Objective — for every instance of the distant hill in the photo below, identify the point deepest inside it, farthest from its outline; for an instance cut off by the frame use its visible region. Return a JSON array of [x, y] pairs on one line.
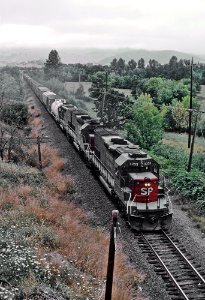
[[162, 56], [102, 56]]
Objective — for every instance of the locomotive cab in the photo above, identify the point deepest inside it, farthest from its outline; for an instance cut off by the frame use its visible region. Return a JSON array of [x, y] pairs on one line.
[[147, 205]]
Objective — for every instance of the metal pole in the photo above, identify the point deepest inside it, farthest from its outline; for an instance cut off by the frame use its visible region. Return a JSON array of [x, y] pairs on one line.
[[192, 145], [111, 256], [39, 152], [190, 105]]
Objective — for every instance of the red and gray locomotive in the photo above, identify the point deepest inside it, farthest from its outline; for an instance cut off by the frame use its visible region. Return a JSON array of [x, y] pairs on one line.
[[129, 174]]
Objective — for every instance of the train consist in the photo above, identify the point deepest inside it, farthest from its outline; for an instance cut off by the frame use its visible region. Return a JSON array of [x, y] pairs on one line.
[[128, 173]]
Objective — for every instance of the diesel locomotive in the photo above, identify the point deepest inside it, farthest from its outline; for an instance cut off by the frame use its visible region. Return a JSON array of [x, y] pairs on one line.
[[129, 174]]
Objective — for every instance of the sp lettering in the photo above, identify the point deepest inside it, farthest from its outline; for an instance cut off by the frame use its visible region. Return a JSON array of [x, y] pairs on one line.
[[146, 191]]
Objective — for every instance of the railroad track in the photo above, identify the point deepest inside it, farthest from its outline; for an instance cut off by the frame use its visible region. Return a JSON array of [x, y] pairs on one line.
[[184, 279]]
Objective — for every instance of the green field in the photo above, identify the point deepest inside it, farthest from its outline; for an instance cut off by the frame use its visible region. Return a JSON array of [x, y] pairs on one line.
[[181, 141], [73, 86]]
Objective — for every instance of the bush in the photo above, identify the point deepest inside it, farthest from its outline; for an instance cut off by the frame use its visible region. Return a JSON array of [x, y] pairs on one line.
[[174, 162], [174, 157], [15, 113], [199, 161], [191, 185]]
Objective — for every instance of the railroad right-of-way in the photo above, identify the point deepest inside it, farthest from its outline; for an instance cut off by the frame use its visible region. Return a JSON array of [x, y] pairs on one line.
[[183, 278]]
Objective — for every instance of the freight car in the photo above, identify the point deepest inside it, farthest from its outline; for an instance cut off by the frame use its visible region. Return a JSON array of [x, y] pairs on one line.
[[129, 174]]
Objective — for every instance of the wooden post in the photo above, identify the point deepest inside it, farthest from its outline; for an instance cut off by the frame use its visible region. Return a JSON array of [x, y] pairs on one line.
[[190, 105], [39, 152], [111, 256], [192, 145]]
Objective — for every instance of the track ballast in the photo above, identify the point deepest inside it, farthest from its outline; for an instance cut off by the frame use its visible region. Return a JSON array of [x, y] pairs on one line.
[[182, 278]]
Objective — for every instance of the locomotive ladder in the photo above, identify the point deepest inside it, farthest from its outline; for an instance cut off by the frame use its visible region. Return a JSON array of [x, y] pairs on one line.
[[181, 277]]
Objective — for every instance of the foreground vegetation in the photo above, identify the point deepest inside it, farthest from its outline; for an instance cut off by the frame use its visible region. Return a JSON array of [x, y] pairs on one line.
[[47, 248], [187, 187]]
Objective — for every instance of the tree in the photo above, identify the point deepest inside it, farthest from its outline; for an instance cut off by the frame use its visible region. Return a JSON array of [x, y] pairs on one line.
[[121, 66], [52, 63], [153, 68], [145, 126], [113, 65], [53, 60], [132, 64], [180, 116], [113, 108], [9, 88], [141, 63], [98, 84], [173, 62], [80, 93], [14, 113]]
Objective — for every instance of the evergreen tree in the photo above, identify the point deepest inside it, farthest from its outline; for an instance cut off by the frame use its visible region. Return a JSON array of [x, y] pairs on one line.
[[121, 66], [113, 65], [52, 64], [141, 63], [132, 64]]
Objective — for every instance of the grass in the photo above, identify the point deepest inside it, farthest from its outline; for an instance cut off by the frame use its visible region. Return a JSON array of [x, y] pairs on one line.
[[181, 140], [89, 106], [73, 86]]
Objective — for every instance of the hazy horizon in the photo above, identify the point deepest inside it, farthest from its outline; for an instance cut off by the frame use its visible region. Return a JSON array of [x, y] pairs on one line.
[[93, 48]]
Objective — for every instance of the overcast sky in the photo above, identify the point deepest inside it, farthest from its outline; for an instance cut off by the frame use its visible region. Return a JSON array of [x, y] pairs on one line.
[[145, 24]]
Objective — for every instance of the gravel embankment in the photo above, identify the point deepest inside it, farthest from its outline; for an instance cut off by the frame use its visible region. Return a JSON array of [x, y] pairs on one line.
[[91, 196]]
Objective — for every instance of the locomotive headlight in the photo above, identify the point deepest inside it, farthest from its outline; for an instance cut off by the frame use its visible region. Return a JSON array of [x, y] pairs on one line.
[[147, 184]]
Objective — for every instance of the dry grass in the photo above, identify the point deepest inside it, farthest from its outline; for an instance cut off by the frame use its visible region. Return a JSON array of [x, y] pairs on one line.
[[34, 121], [51, 157], [55, 224], [82, 243], [200, 220], [86, 247], [181, 141]]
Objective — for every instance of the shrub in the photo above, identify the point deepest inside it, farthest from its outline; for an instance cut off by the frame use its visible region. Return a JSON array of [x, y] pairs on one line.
[[174, 162], [174, 157], [15, 113]]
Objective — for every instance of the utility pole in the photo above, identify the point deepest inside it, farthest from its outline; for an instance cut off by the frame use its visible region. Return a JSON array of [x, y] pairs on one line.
[[111, 255], [190, 105], [192, 144], [104, 96]]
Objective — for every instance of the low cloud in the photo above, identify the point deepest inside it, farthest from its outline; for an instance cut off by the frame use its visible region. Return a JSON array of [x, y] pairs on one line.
[[149, 24]]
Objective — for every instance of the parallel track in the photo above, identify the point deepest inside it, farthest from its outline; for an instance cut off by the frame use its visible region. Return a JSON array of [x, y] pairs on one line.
[[182, 279]]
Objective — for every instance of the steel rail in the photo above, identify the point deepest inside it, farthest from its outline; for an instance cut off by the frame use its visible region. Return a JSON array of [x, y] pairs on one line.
[[184, 257], [166, 269]]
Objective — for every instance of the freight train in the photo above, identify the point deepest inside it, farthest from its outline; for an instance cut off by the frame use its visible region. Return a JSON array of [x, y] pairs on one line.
[[129, 174]]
